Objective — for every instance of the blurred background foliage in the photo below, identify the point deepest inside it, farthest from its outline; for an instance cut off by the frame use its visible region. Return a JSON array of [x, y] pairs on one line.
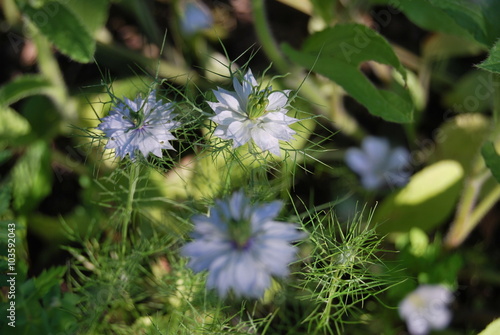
[[423, 74]]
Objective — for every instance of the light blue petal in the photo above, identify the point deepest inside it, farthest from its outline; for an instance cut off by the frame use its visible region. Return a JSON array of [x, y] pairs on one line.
[[264, 213]]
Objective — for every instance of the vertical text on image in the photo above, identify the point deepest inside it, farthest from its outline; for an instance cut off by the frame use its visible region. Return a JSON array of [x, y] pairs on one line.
[[11, 280]]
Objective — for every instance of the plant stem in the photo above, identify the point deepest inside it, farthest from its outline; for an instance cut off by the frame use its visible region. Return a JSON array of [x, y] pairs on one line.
[[50, 69], [132, 185], [496, 103], [265, 36], [485, 205], [463, 225], [468, 214]]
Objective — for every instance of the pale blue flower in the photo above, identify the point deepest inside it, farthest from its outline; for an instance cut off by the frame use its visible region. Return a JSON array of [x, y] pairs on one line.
[[195, 16], [242, 246], [426, 309], [378, 164], [252, 114], [139, 126]]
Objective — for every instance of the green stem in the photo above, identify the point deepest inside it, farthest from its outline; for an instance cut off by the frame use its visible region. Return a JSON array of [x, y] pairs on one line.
[[468, 213], [50, 69], [265, 36], [485, 205], [496, 103], [462, 225], [132, 185]]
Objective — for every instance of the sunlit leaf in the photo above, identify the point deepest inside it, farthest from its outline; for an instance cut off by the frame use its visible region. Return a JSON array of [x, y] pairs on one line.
[[460, 139], [337, 54], [492, 329], [12, 124], [425, 202], [492, 159]]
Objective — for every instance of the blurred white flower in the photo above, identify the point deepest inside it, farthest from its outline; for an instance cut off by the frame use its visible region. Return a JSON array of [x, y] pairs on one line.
[[252, 114], [426, 309], [378, 164], [139, 126], [242, 246], [195, 16]]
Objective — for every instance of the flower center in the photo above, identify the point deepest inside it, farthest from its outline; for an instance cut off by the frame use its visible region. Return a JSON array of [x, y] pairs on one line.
[[137, 118], [240, 232], [257, 104]]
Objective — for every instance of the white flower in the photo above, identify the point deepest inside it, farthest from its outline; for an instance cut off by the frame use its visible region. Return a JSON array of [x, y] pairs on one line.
[[252, 114], [242, 246], [378, 164], [140, 125], [426, 309]]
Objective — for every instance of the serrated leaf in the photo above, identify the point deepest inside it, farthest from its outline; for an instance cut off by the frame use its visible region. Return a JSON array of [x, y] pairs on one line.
[[479, 19], [12, 124], [22, 87], [466, 14], [32, 177], [91, 13], [337, 54], [492, 63], [425, 202], [63, 29], [492, 159]]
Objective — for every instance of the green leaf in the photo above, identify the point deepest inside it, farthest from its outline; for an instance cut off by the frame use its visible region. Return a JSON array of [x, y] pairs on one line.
[[425, 202], [492, 63], [337, 54], [91, 13], [475, 19], [466, 14], [492, 159], [12, 124], [492, 329], [42, 116], [63, 29], [21, 87], [422, 13], [32, 177], [479, 19]]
